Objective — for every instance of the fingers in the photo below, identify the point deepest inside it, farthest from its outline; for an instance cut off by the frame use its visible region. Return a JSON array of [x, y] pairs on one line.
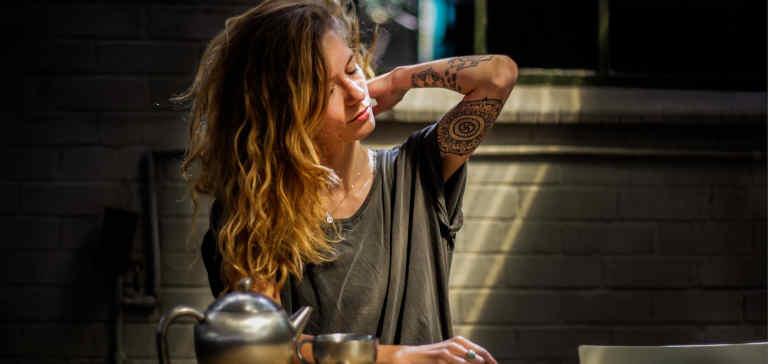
[[377, 86], [381, 106], [449, 355], [479, 350]]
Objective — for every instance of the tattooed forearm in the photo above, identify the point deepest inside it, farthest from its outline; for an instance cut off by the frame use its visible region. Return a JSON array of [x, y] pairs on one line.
[[462, 129], [431, 78], [461, 63]]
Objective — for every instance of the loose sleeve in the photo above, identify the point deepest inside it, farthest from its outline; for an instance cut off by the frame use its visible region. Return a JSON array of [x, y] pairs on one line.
[[446, 196]]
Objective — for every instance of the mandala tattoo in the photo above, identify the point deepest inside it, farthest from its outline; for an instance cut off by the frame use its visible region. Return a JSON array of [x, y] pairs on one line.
[[462, 129], [431, 78]]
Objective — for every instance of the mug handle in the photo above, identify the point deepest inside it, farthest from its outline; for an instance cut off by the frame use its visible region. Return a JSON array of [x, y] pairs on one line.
[[298, 349]]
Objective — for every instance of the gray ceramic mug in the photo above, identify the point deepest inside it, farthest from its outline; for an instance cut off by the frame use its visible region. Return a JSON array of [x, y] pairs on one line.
[[341, 349]]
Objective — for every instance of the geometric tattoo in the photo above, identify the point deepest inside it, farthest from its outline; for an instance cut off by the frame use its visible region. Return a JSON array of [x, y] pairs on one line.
[[431, 78], [462, 129]]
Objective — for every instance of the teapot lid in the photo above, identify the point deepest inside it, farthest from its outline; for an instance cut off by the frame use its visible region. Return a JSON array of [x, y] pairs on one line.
[[243, 300]]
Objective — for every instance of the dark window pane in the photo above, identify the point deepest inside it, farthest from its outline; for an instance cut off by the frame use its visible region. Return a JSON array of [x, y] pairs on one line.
[[545, 33], [712, 39]]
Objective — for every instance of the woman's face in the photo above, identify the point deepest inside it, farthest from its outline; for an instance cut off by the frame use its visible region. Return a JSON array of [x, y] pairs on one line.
[[348, 116]]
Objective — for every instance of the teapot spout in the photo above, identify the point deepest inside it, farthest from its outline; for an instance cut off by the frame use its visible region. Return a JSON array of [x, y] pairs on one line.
[[299, 320]]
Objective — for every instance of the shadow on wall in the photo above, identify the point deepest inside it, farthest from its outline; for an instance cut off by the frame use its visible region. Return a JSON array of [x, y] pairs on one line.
[[559, 252]]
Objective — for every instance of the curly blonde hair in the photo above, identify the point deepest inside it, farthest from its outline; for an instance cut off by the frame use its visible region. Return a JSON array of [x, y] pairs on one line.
[[255, 106]]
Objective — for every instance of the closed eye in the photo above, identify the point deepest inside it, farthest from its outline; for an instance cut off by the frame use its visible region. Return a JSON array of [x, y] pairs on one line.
[[354, 70]]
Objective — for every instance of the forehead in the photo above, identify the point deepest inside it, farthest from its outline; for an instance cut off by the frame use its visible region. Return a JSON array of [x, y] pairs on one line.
[[336, 51]]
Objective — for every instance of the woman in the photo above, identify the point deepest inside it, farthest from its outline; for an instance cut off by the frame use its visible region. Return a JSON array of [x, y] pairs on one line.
[[278, 108]]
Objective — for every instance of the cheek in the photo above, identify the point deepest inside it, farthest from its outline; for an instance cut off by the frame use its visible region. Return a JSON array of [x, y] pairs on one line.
[[335, 110]]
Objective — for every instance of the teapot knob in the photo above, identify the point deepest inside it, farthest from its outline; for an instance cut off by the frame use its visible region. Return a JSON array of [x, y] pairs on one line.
[[244, 285]]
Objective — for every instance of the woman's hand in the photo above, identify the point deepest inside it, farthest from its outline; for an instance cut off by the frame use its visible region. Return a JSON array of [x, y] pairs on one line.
[[455, 350], [386, 90]]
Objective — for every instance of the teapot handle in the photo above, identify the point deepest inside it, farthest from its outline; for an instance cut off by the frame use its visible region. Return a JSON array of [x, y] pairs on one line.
[[162, 329], [298, 349]]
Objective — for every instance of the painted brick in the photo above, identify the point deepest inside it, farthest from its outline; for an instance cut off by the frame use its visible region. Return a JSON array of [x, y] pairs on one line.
[[691, 173], [85, 94], [173, 202], [159, 130], [705, 238], [558, 342], [56, 129], [114, 21], [738, 203], [39, 267], [760, 237], [608, 238], [147, 57], [490, 201], [184, 270], [61, 340], [702, 307], [732, 272], [174, 233], [29, 232], [607, 307], [76, 233], [101, 94], [38, 92], [99, 163], [595, 172], [649, 272], [52, 266], [470, 270], [755, 307], [198, 298], [492, 307], [455, 305], [35, 304], [759, 175], [518, 172], [519, 236], [684, 335], [141, 342], [80, 302], [188, 22], [578, 203], [28, 164], [663, 203], [78, 199], [499, 341], [60, 56], [10, 195]]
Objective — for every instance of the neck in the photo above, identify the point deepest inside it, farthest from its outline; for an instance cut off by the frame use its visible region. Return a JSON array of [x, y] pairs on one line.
[[349, 162]]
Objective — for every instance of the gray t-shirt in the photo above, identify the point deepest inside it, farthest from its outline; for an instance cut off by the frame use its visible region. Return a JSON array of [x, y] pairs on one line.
[[390, 275]]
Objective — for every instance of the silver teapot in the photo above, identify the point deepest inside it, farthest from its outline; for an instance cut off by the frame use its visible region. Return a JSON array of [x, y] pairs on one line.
[[239, 327]]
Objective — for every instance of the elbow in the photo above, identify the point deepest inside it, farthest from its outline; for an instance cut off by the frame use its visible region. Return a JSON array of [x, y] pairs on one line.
[[506, 73]]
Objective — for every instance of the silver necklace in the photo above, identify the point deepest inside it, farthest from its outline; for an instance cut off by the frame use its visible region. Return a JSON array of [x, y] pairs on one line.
[[372, 165]]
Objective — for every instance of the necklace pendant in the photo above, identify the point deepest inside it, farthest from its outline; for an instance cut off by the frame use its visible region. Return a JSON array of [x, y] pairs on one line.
[[328, 218]]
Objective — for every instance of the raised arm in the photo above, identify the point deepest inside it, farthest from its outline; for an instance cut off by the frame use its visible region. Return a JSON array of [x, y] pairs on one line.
[[484, 80]]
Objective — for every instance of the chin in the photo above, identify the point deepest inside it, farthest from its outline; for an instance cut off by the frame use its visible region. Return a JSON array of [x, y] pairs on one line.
[[368, 127]]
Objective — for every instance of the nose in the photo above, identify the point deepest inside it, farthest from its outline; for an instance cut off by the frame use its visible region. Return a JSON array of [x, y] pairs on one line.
[[356, 90]]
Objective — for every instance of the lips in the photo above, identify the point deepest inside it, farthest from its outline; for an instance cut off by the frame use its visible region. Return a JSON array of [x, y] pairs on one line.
[[363, 114]]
